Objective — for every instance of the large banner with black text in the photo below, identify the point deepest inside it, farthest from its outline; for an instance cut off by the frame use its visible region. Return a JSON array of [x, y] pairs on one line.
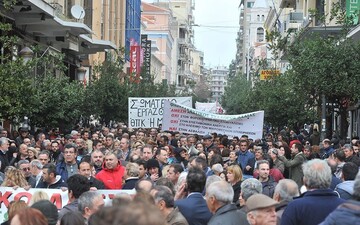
[[184, 119], [148, 112]]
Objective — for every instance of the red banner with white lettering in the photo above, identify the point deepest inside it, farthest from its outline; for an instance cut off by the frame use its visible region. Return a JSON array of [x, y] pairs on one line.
[[135, 63]]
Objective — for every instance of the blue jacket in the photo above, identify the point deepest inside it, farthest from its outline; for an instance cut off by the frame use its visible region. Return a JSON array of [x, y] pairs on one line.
[[194, 209], [345, 189], [311, 208], [243, 158], [347, 213], [62, 171]]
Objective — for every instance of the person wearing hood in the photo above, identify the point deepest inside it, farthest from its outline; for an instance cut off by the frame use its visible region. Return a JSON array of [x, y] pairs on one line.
[[112, 172], [50, 179], [346, 188]]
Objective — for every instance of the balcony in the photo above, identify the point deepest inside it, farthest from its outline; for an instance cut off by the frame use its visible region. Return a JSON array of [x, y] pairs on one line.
[[288, 4], [295, 21]]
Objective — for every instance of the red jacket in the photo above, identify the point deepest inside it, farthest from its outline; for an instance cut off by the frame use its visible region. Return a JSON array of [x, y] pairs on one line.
[[112, 179]]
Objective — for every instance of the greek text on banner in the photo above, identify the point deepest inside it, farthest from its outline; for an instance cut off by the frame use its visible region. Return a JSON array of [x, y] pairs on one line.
[[187, 120], [148, 112]]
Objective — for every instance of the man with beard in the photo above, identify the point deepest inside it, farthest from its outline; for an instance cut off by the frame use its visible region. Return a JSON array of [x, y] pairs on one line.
[[97, 159]]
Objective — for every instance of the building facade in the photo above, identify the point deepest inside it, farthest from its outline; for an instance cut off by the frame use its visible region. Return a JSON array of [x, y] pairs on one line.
[[218, 77]]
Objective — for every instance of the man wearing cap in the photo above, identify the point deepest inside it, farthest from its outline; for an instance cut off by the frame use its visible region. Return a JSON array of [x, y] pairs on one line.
[[208, 142], [219, 196], [261, 210], [24, 133], [319, 200], [327, 149]]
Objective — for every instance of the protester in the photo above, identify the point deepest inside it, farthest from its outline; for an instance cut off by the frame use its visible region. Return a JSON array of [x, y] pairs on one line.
[[219, 198], [318, 202], [261, 210]]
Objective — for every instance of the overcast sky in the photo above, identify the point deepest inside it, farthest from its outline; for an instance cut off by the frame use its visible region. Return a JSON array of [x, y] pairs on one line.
[[217, 43], [219, 22]]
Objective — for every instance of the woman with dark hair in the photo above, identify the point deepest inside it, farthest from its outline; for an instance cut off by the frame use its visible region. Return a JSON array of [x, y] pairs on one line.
[[182, 157], [72, 218], [29, 216]]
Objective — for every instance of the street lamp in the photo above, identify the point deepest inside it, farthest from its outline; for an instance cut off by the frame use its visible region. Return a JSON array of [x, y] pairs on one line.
[[27, 54], [80, 73]]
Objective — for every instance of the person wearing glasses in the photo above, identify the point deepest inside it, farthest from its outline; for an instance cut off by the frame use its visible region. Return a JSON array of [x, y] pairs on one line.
[[24, 166]]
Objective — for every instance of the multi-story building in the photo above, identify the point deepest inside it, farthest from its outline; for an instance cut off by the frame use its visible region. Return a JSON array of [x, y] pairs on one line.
[[158, 27], [197, 65], [218, 81], [251, 43], [182, 11], [54, 27]]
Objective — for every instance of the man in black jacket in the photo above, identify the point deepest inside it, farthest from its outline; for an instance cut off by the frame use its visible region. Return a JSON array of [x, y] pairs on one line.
[[85, 169]]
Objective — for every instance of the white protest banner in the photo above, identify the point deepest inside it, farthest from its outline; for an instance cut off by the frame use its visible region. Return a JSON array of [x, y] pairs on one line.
[[57, 196], [187, 120], [206, 106], [148, 112]]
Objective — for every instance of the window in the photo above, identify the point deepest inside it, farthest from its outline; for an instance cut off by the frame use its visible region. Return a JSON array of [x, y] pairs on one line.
[[260, 34], [258, 17], [262, 18], [249, 4]]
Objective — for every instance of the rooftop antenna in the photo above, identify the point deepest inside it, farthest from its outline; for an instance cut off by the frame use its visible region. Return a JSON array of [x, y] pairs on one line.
[[77, 12]]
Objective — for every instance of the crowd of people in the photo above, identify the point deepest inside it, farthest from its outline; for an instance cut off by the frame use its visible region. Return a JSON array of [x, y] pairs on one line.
[[284, 179]]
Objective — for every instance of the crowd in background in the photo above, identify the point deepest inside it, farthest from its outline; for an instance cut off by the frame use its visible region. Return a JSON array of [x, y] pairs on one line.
[[185, 178]]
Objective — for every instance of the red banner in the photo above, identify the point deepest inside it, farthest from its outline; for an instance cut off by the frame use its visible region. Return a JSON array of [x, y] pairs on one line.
[[135, 63]]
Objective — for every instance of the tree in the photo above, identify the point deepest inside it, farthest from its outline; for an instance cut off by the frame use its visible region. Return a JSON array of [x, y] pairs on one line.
[[237, 96], [57, 102], [106, 98]]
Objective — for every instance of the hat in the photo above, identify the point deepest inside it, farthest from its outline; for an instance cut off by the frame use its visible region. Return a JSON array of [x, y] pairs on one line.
[[259, 201], [326, 140], [208, 136], [221, 146], [24, 128], [275, 151], [48, 209], [152, 163]]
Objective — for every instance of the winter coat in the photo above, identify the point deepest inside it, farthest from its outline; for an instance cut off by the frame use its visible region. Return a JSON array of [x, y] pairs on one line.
[[347, 213], [345, 189], [311, 208], [295, 167], [228, 215], [112, 178]]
